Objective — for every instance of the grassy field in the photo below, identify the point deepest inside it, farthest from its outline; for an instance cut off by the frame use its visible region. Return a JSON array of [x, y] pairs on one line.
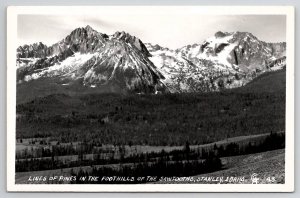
[[269, 167], [266, 165]]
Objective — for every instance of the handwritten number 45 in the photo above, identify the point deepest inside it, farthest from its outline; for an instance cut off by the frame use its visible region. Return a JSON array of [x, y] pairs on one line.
[[271, 179]]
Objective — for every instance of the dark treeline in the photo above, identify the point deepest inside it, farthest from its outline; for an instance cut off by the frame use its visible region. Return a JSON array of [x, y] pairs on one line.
[[270, 142], [160, 120], [47, 150], [158, 169], [99, 159]]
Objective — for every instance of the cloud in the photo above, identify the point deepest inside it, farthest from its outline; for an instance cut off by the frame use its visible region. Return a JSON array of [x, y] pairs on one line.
[[170, 30]]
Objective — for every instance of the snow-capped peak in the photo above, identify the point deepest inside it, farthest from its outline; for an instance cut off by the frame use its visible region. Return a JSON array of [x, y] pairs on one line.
[[123, 62], [119, 62], [225, 60]]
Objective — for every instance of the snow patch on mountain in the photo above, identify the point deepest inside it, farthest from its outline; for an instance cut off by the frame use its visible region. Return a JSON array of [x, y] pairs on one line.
[[225, 60], [64, 68], [124, 63]]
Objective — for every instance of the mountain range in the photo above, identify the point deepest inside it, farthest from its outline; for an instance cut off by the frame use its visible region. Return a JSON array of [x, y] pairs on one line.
[[123, 63]]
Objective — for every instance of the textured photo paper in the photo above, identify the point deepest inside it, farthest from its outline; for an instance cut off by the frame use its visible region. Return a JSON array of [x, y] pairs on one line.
[[150, 99]]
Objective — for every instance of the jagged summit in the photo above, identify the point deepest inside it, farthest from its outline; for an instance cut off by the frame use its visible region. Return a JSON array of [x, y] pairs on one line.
[[89, 28], [122, 62], [225, 60], [232, 48], [126, 37], [35, 50], [119, 61], [87, 31]]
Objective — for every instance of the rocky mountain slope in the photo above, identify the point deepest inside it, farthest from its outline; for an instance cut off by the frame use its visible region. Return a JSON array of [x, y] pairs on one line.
[[123, 62], [119, 61], [226, 60]]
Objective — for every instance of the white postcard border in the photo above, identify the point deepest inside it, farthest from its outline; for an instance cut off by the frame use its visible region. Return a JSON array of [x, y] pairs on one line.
[[14, 11]]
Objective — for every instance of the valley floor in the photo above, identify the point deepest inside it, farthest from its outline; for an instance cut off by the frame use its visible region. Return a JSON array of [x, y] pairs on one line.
[[268, 166]]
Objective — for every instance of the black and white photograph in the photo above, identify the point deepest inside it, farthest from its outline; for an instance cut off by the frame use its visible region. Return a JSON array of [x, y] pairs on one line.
[[150, 98]]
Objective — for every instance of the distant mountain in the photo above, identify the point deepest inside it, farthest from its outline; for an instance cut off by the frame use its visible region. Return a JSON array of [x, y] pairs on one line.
[[123, 63], [120, 61], [84, 40], [226, 60]]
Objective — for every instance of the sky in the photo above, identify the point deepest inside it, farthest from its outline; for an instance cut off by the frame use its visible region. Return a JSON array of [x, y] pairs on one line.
[[168, 30]]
